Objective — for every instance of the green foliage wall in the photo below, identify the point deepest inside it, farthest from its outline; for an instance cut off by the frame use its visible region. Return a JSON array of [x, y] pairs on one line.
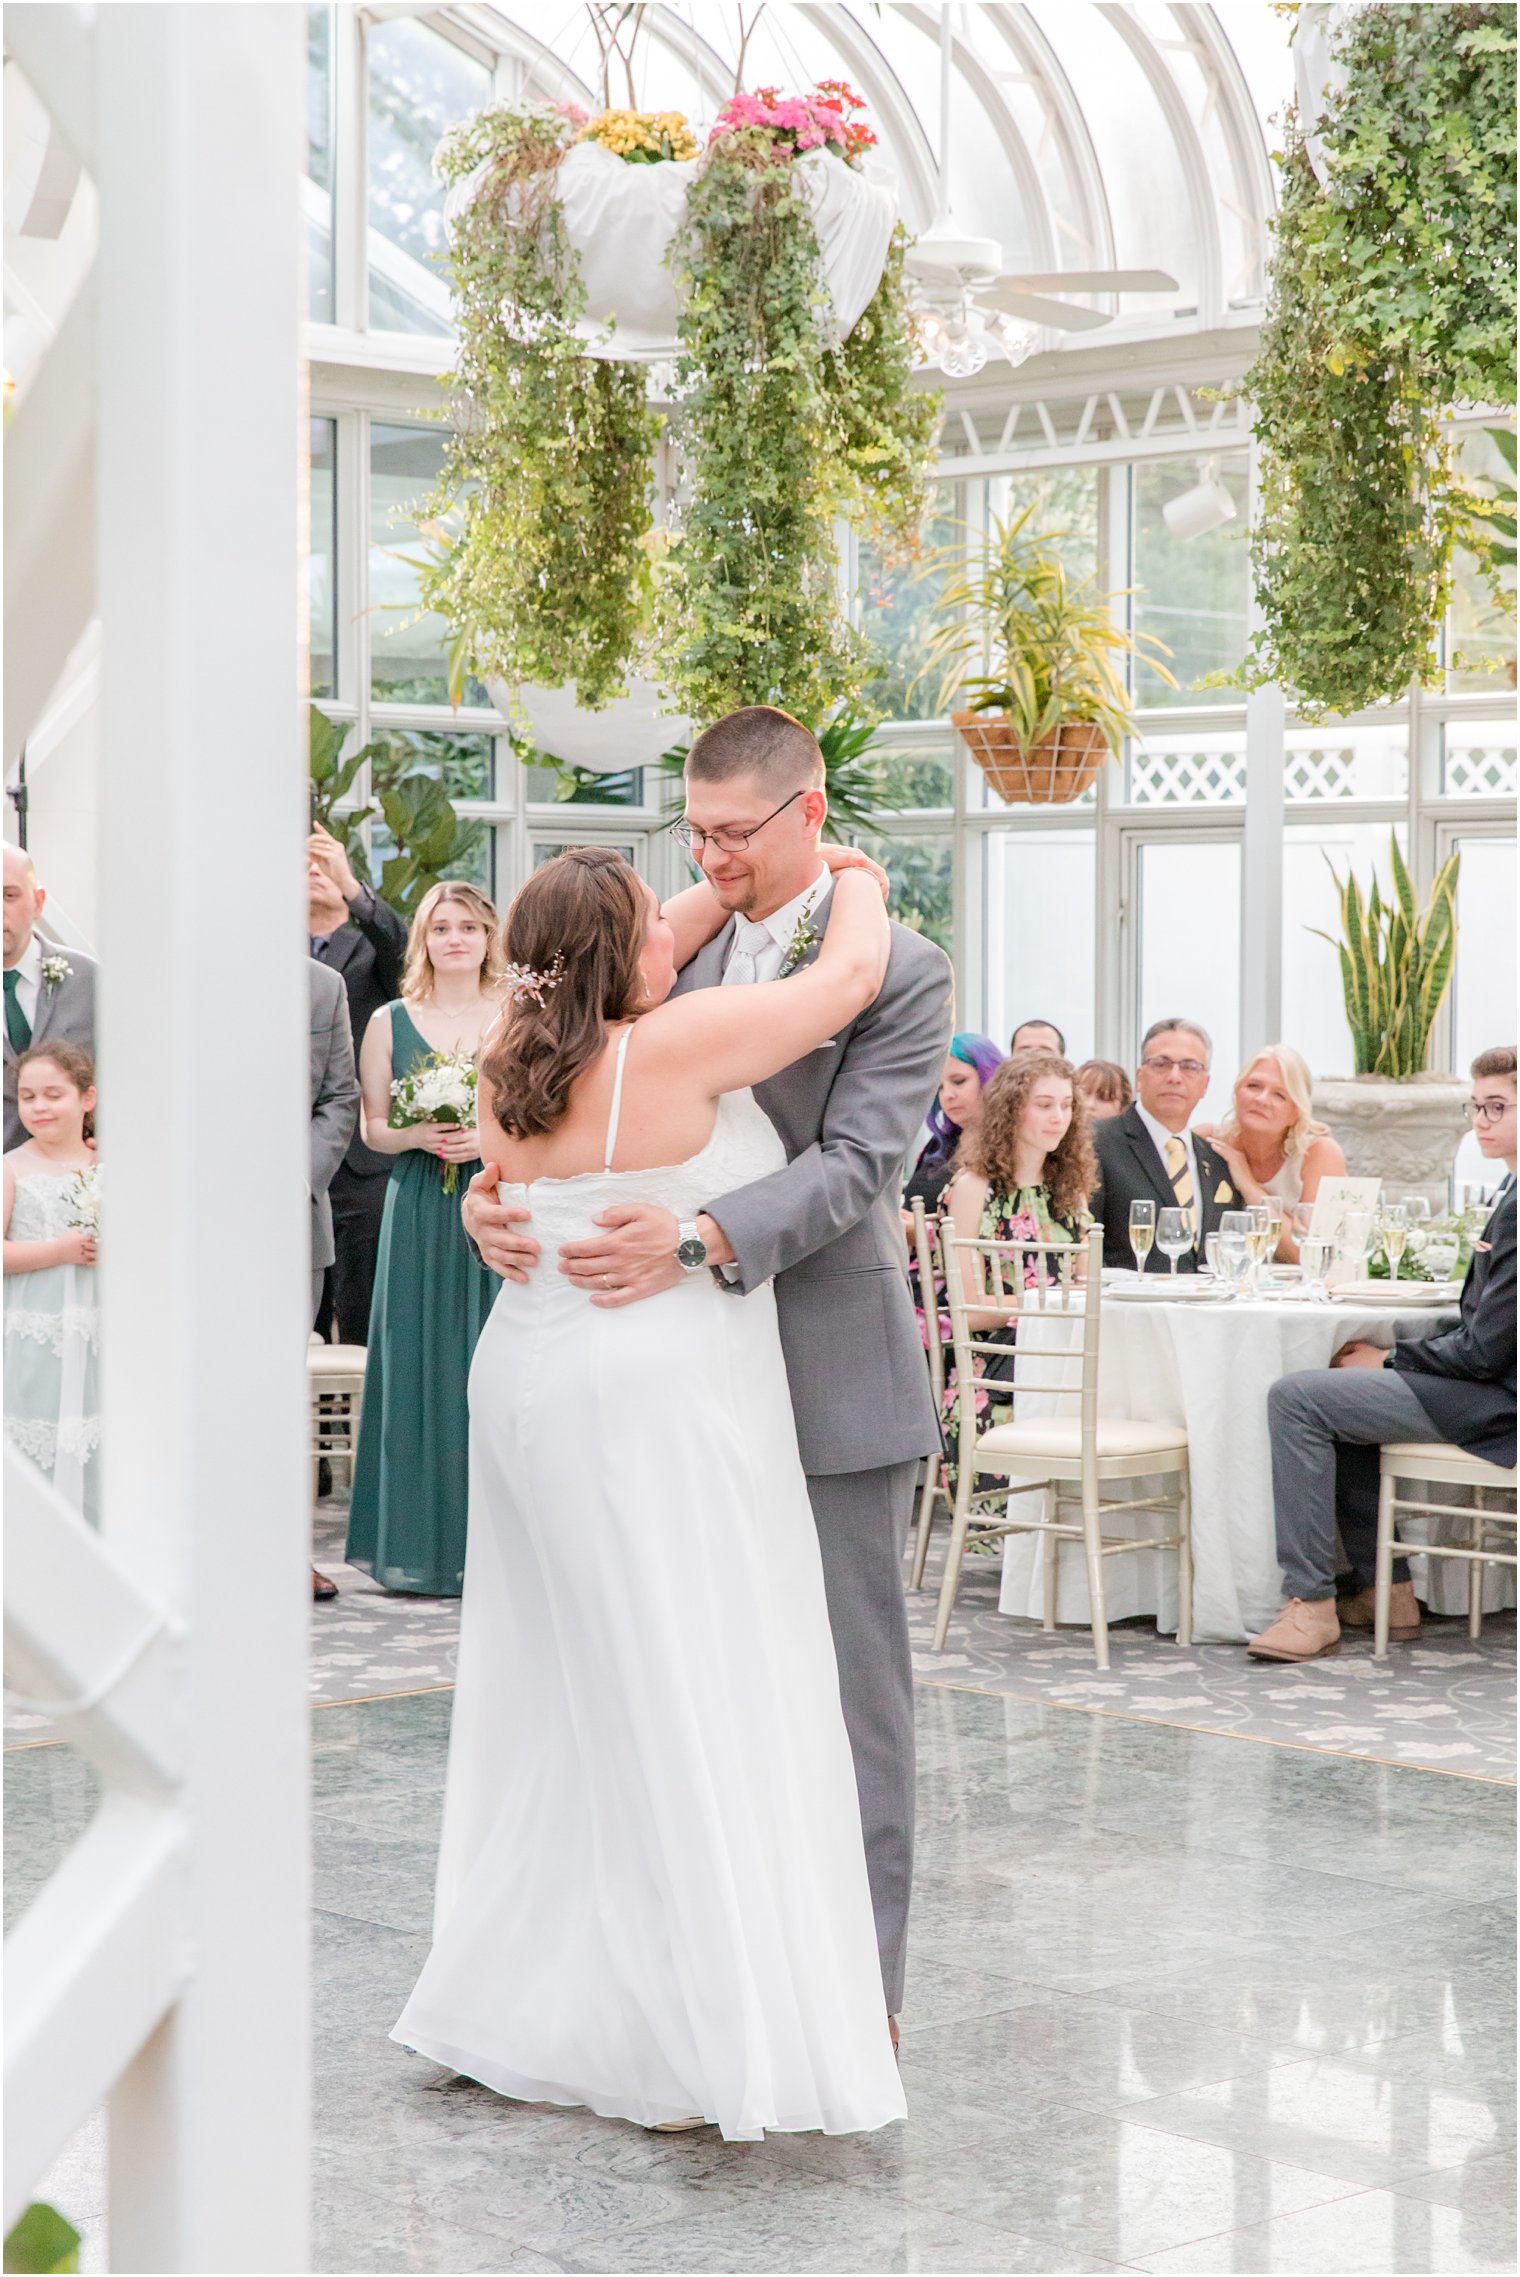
[[1392, 297]]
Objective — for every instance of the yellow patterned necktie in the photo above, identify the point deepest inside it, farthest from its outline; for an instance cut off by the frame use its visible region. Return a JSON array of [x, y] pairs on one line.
[[1182, 1180]]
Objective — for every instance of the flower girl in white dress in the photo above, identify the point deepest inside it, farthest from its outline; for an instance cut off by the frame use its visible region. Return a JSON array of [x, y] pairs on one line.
[[652, 1896], [52, 1320]]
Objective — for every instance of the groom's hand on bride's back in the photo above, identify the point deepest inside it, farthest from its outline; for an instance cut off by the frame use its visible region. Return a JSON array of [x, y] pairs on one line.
[[496, 1227]]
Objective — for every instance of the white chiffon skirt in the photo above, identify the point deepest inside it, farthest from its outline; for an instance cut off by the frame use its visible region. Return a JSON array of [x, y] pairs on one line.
[[652, 1895]]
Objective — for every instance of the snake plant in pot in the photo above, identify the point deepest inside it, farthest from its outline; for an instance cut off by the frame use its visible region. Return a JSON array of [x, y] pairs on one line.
[[1395, 1118], [1050, 704]]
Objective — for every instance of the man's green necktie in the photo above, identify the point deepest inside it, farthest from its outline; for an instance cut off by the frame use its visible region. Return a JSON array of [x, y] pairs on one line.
[[17, 1026]]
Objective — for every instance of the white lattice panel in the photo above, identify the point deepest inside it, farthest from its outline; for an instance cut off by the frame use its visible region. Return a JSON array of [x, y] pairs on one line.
[[1189, 777], [1480, 771]]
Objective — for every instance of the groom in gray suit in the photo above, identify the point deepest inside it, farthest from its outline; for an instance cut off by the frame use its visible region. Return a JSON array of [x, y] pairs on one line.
[[826, 1229]]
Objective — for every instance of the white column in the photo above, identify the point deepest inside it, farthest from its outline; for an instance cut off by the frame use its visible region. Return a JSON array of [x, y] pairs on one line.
[[204, 1084]]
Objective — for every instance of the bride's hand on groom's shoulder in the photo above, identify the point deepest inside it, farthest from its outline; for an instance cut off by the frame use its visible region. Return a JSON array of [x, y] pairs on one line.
[[495, 1227], [836, 858]]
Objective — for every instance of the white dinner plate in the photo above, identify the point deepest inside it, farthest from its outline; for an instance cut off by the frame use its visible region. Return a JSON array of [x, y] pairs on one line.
[[1188, 1288], [1418, 1293]]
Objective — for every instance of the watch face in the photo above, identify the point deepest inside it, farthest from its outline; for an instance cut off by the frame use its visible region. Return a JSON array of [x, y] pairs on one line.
[[691, 1252]]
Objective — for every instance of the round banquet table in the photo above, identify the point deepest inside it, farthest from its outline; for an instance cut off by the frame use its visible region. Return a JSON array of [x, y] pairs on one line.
[[1207, 1365]]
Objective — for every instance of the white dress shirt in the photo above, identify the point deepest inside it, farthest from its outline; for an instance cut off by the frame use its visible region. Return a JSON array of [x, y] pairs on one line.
[[761, 944], [1160, 1134], [29, 985]]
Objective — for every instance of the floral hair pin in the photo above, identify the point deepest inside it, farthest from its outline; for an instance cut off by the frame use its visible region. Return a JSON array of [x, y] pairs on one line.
[[522, 980]]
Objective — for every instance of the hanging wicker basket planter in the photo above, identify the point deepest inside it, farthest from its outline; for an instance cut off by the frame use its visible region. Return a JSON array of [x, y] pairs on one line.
[[1052, 772]]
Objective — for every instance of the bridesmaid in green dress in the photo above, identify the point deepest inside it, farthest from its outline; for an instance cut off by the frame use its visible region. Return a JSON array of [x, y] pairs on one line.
[[406, 1522]]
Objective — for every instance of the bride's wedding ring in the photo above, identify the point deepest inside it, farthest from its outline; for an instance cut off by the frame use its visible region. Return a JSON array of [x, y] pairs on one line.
[[607, 1278]]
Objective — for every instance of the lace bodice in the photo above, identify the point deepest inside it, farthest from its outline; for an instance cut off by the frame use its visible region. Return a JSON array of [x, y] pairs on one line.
[[743, 1147], [45, 1203]]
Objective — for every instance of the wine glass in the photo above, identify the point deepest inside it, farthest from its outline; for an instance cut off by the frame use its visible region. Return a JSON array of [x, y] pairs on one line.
[[1260, 1240], [1233, 1262], [1393, 1230], [1142, 1231], [1211, 1255], [1353, 1240], [1174, 1235], [1439, 1255]]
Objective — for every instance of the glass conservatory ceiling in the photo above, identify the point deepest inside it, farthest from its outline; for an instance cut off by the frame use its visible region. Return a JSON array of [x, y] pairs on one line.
[[1084, 134]]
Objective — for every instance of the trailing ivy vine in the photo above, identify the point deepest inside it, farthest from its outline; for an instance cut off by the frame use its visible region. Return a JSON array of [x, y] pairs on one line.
[[750, 602], [886, 426], [545, 500], [1392, 296]]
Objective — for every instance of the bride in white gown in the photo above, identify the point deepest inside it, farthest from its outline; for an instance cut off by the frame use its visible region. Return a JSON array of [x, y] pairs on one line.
[[652, 1895]]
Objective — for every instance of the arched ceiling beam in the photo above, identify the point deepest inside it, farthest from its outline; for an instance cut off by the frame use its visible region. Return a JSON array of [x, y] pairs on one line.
[[970, 68], [1255, 187], [893, 109], [1023, 36], [1190, 153]]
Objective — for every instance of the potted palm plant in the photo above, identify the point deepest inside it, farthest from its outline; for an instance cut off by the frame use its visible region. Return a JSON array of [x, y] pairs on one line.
[[1039, 661], [1396, 1119]]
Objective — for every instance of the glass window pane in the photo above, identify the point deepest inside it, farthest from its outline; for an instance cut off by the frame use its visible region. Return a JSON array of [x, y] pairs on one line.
[[1065, 502], [1314, 1014], [1189, 894], [576, 786], [917, 774], [1037, 927], [1191, 593], [1478, 759], [545, 849], [420, 84], [921, 869], [322, 563], [464, 764], [476, 863], [317, 191], [1480, 633], [407, 649], [895, 610]]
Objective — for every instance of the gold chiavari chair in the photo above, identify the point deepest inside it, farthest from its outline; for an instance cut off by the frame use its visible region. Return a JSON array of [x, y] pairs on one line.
[[1081, 1451]]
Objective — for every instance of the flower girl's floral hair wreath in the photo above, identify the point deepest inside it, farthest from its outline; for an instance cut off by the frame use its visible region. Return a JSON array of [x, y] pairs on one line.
[[418, 978], [574, 935]]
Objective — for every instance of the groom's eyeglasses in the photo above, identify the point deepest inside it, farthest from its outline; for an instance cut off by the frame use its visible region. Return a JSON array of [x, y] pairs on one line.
[[727, 840]]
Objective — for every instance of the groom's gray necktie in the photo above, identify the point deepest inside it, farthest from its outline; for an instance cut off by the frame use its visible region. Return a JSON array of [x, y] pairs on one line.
[[750, 943]]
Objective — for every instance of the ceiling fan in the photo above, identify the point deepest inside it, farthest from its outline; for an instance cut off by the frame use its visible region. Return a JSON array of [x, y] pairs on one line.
[[975, 306]]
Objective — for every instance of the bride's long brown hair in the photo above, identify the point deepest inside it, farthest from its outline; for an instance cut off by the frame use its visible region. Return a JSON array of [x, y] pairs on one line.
[[586, 909]]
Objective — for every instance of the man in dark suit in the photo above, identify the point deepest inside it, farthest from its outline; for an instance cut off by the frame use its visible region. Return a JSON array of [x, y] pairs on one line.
[[1149, 1154], [1456, 1388], [363, 939]]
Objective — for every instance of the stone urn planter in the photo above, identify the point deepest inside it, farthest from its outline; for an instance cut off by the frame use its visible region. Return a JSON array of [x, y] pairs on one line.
[[1404, 1132]]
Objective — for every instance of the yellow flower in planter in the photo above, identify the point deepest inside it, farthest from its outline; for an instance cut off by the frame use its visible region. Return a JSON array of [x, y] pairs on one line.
[[642, 138]]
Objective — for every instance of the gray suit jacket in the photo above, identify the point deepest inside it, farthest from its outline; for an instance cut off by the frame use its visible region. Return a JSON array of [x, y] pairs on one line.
[[334, 1098], [65, 1014], [827, 1229]]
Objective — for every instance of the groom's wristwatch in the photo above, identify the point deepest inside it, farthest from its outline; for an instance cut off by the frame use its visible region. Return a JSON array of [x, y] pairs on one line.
[[691, 1249]]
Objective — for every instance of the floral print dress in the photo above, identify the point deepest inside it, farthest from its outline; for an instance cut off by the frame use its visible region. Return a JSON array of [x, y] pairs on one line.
[[1022, 1216]]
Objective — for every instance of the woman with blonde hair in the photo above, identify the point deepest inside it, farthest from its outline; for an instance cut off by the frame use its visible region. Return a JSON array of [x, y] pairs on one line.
[[1270, 1139], [406, 1521]]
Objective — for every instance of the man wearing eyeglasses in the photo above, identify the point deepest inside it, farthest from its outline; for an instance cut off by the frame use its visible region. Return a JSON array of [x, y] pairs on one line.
[[1456, 1388], [1149, 1153]]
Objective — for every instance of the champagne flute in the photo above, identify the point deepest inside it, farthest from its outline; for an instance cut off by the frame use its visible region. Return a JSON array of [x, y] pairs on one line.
[[1174, 1235], [1439, 1255], [1258, 1238], [1142, 1231], [1395, 1235]]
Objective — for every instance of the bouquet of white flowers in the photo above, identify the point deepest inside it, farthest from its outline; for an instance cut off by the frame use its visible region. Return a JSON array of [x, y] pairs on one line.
[[84, 1201], [439, 1089]]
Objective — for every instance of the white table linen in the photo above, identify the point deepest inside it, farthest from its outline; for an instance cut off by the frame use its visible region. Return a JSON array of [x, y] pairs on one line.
[[1208, 1366]]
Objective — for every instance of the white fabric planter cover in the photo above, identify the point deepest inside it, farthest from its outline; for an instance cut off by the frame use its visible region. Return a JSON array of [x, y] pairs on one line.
[[621, 219], [631, 731]]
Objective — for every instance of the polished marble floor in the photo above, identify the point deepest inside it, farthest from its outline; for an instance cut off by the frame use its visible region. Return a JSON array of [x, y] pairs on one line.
[[1177, 2002]]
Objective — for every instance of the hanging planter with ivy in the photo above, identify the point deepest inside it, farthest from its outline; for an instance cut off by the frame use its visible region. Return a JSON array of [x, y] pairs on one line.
[[582, 249], [1392, 297]]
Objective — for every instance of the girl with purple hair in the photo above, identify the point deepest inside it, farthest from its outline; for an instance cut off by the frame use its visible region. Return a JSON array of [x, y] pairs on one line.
[[970, 1064]]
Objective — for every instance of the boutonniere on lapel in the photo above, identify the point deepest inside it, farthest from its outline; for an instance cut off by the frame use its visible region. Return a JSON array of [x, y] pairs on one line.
[[804, 937], [55, 969]]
